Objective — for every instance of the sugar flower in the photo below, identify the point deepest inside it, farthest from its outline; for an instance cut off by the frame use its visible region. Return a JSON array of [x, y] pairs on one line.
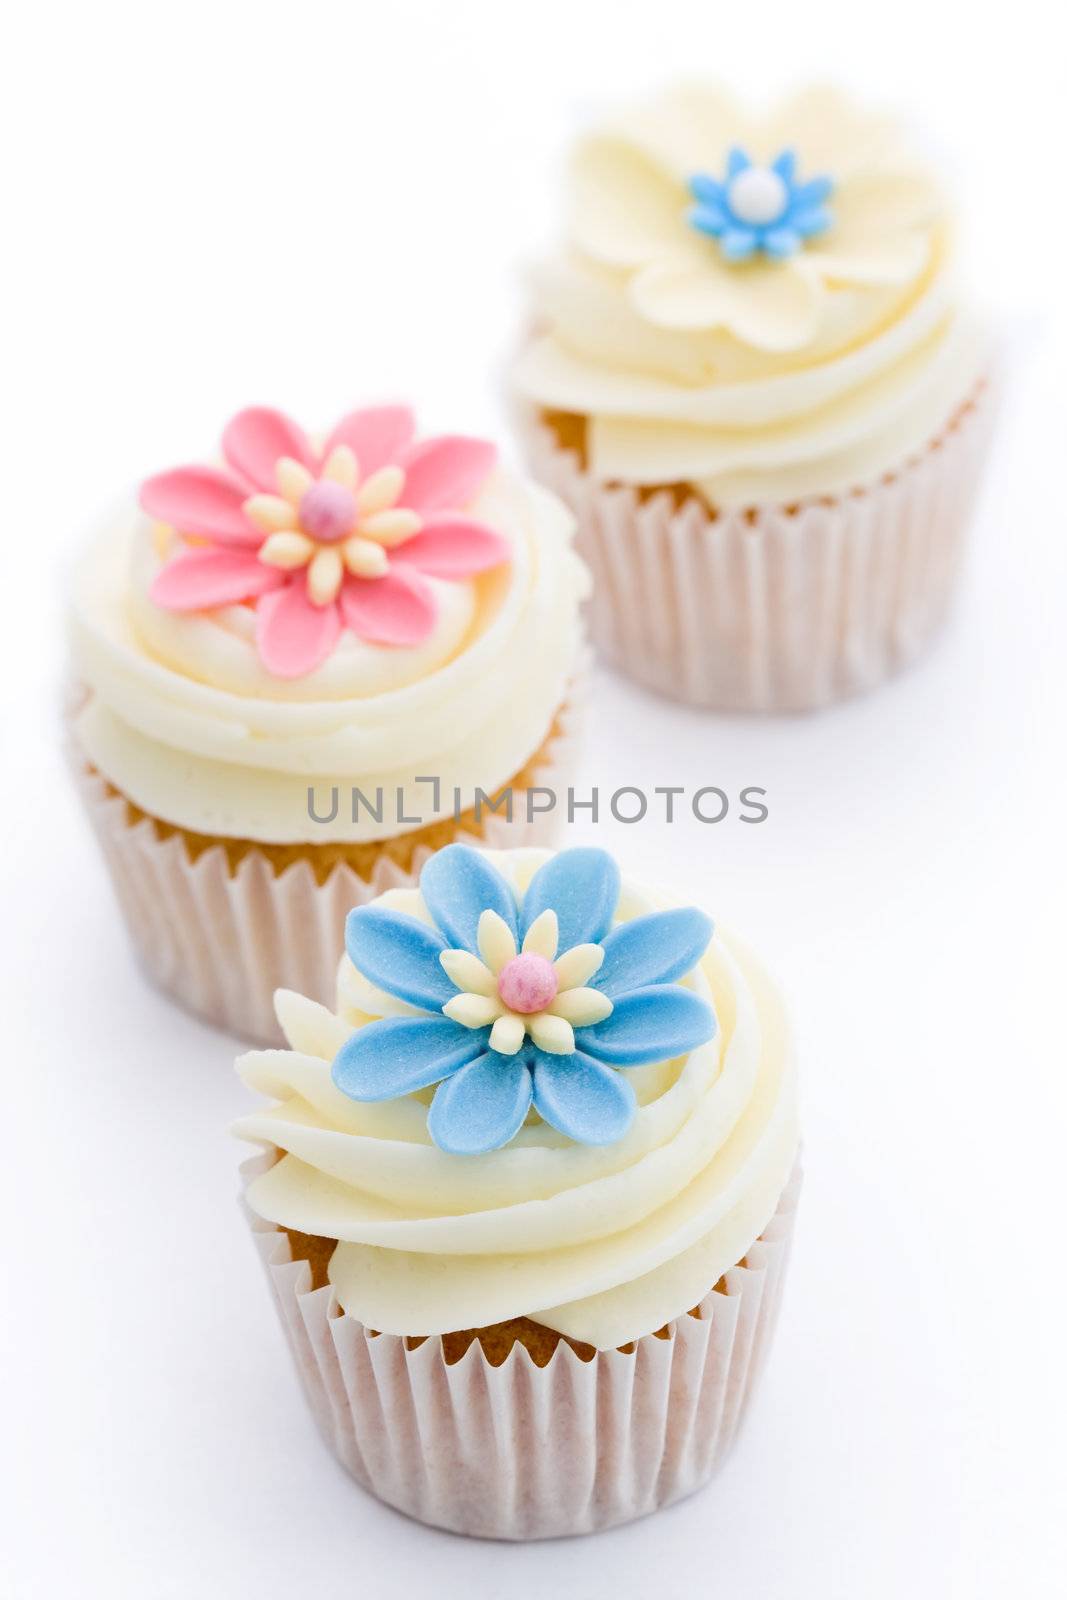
[[539, 1003], [319, 540]]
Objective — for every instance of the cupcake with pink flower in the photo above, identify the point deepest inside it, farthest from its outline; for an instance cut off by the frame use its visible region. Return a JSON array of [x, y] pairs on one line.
[[751, 373], [304, 666]]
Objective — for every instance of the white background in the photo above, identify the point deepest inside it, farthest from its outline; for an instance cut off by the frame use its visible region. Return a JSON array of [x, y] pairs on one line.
[[212, 204]]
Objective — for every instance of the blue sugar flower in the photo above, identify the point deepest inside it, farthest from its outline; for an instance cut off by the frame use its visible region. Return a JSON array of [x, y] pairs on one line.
[[759, 208], [537, 1004]]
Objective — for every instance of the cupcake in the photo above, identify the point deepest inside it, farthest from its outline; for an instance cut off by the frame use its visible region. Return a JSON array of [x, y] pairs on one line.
[[750, 376], [301, 671], [527, 1194]]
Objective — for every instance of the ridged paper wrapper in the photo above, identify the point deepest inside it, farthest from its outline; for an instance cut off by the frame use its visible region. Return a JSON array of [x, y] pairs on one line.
[[220, 941], [773, 608], [521, 1451]]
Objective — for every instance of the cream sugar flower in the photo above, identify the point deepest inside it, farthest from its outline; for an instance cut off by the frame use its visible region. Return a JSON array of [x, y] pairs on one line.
[[631, 212], [528, 991], [304, 519]]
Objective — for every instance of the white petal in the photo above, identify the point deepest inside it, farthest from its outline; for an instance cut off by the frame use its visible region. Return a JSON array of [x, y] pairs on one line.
[[473, 1010], [542, 937], [468, 973], [774, 305], [269, 512], [341, 466], [508, 1033], [551, 1033], [390, 527], [287, 550], [293, 479], [364, 558], [495, 940], [624, 210], [577, 965], [581, 1007], [381, 490], [324, 575]]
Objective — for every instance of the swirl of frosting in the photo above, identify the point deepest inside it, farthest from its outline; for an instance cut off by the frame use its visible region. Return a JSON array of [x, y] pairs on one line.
[[186, 721], [602, 1243], [756, 379]]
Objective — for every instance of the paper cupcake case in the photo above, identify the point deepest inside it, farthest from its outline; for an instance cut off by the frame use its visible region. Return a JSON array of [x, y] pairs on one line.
[[519, 1451], [220, 941], [774, 608]]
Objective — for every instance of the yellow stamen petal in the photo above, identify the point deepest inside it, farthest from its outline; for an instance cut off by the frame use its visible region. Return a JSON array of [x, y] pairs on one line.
[[269, 512], [381, 490], [467, 972], [390, 527], [287, 550], [324, 575], [293, 479], [576, 966], [551, 1033], [342, 466], [473, 1010], [508, 1033], [581, 1007], [542, 936], [364, 558], [495, 940]]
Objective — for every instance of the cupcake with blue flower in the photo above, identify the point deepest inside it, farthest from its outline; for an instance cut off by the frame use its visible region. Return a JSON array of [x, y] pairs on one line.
[[542, 1153], [752, 375]]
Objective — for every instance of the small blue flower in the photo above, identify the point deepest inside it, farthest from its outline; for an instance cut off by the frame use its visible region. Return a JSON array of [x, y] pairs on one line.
[[758, 208], [537, 1003]]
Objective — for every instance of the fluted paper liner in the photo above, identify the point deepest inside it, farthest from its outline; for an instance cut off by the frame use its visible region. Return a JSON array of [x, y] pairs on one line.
[[220, 941], [519, 1451], [772, 608]]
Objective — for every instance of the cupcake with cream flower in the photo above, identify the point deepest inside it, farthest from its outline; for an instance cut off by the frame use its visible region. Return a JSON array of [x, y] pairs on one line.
[[527, 1192], [750, 375], [303, 669]]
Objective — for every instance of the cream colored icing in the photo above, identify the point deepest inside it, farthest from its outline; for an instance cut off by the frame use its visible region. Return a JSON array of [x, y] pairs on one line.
[[763, 381], [184, 719], [604, 1244]]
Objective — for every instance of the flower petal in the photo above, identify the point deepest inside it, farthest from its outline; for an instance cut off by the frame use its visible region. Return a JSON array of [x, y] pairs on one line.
[[398, 1055], [654, 1024], [771, 305], [397, 608], [542, 937], [577, 965], [255, 440], [399, 954], [495, 941], [200, 500], [551, 1033], [458, 884], [781, 243], [203, 579], [738, 244], [581, 1007], [582, 1098], [482, 1107], [468, 973], [474, 1010], [582, 887], [658, 948], [445, 474], [293, 636], [507, 1034], [454, 547], [624, 209], [377, 436]]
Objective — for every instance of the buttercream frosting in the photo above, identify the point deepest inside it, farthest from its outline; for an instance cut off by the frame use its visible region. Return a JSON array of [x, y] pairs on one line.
[[184, 719], [756, 380], [604, 1244]]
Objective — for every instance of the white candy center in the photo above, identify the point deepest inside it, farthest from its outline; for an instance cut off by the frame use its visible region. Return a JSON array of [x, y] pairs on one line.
[[757, 196]]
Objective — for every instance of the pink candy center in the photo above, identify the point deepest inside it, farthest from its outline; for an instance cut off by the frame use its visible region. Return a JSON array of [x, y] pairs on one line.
[[327, 511], [528, 984]]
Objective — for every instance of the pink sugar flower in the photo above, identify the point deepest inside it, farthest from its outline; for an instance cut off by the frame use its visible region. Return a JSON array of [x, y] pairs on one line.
[[322, 540]]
